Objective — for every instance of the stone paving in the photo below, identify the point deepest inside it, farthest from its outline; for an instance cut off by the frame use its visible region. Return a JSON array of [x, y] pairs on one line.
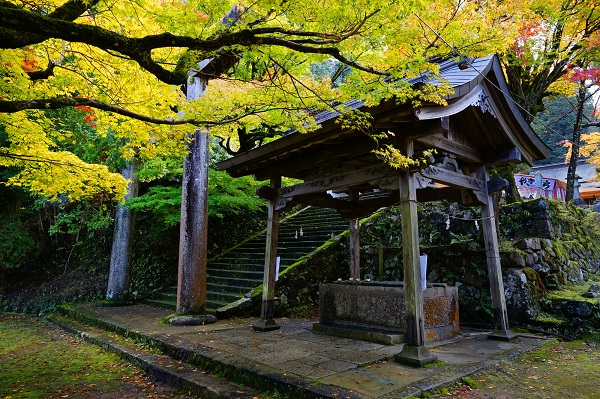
[[324, 364]]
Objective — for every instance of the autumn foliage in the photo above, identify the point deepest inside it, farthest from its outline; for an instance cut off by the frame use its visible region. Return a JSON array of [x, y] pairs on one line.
[[122, 66]]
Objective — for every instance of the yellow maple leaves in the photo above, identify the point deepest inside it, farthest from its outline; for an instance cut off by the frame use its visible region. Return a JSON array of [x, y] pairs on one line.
[[48, 172], [273, 85]]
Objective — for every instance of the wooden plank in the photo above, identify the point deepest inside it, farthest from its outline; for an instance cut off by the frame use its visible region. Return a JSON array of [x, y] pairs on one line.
[[344, 150], [357, 146], [508, 155], [337, 181], [451, 178], [461, 151], [240, 164]]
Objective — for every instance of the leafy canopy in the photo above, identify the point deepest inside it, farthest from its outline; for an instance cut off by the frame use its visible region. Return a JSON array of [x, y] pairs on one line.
[[555, 37], [121, 64]]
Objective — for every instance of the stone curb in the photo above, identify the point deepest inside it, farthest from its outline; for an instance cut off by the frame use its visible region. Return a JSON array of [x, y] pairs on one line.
[[255, 375], [162, 368]]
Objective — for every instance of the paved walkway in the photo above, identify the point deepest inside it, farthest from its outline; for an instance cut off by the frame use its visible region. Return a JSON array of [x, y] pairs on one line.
[[295, 358]]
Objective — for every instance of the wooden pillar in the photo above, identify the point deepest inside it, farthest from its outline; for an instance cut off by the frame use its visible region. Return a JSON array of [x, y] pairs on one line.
[[266, 322], [354, 241], [191, 277], [354, 249], [414, 351], [490, 236]]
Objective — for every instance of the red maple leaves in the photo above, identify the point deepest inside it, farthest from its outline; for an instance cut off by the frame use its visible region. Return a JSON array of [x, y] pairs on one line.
[[89, 117]]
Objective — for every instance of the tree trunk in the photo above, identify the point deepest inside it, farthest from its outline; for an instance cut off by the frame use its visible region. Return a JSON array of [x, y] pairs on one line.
[[575, 143], [120, 257]]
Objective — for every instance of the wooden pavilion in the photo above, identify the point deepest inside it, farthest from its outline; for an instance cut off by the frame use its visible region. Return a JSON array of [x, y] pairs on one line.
[[480, 127]]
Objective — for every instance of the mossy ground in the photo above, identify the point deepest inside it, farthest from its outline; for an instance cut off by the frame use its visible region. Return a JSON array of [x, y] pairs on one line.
[[39, 361], [574, 292], [556, 370]]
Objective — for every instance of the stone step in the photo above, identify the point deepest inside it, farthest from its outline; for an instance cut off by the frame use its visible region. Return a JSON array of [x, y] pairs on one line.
[[257, 266], [243, 274], [236, 272], [232, 288], [314, 224], [235, 267], [222, 297], [253, 263], [291, 242], [308, 232], [246, 283]]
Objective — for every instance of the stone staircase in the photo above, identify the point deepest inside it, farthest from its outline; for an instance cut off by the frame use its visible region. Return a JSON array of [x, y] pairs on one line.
[[238, 270]]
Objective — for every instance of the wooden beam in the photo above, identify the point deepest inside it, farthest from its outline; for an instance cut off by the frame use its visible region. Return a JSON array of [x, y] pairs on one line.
[[266, 322], [348, 149], [451, 178], [414, 352], [451, 194], [461, 151], [490, 237], [410, 256], [266, 193], [354, 240], [452, 108], [248, 161], [339, 152], [483, 128], [414, 129], [504, 156], [337, 181]]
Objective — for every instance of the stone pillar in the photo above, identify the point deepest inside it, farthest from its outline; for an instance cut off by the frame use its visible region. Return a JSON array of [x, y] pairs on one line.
[[490, 236], [120, 256], [414, 352], [267, 323], [191, 278]]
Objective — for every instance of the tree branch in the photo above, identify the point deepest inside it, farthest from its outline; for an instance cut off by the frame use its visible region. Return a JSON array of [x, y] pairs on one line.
[[139, 49], [43, 74], [63, 102], [18, 37], [590, 124]]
